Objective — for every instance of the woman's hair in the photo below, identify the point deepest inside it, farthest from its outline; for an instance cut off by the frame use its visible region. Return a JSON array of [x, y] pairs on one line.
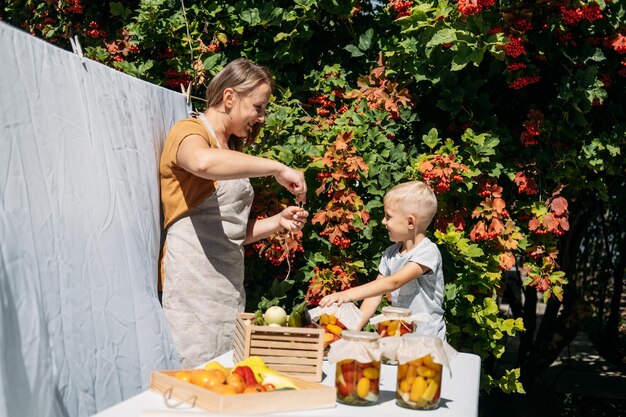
[[243, 76], [414, 197]]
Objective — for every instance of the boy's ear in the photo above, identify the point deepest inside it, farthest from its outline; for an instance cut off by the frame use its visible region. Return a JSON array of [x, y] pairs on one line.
[[412, 221]]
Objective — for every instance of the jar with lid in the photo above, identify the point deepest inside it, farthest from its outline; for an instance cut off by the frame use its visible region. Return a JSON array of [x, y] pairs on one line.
[[393, 322], [420, 364], [396, 322], [357, 374]]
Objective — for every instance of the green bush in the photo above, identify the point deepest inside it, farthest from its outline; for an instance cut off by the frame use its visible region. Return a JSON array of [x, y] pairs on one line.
[[511, 110]]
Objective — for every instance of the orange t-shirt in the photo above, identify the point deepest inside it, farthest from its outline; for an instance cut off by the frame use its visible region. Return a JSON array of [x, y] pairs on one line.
[[181, 190]]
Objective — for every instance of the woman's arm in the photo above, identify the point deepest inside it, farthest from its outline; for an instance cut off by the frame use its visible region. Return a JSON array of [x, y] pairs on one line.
[[292, 218], [197, 157]]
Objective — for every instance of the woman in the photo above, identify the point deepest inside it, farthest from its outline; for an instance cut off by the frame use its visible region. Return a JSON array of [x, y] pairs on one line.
[[206, 198]]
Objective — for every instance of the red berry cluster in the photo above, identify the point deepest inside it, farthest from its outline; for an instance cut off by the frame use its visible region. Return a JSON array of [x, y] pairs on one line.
[[522, 25], [481, 233], [94, 32], [532, 126], [401, 8], [321, 176], [524, 81], [213, 47], [515, 47], [525, 184], [590, 13], [440, 171], [324, 103], [341, 242], [487, 189], [515, 66], [175, 79], [471, 7], [74, 6]]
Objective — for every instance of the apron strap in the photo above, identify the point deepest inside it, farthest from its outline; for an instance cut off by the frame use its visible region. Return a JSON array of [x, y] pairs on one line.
[[208, 126]]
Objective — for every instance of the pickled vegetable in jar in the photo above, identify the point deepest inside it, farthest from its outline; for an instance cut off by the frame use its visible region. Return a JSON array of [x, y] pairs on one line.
[[357, 374], [357, 382], [420, 371], [396, 323], [419, 384]]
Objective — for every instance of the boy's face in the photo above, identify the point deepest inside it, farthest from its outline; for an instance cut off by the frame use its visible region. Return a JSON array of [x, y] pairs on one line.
[[398, 223]]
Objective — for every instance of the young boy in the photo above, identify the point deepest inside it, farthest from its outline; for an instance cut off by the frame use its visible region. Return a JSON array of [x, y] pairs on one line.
[[410, 268]]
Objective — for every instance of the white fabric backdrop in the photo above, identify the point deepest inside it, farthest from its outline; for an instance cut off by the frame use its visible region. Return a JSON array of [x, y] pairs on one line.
[[80, 323]]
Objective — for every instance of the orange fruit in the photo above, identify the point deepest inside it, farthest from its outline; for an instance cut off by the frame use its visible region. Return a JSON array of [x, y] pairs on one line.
[[183, 375], [219, 374], [235, 381], [253, 389], [200, 377]]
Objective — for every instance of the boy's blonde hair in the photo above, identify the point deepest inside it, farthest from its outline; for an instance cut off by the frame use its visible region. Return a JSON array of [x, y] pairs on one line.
[[416, 198]]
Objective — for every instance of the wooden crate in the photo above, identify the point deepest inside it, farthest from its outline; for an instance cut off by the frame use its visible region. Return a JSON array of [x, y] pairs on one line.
[[293, 351], [309, 395]]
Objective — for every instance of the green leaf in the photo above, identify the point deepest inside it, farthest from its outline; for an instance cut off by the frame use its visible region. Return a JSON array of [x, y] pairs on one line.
[[442, 36], [365, 40], [281, 35], [431, 139], [117, 9], [354, 51], [211, 61], [251, 16]]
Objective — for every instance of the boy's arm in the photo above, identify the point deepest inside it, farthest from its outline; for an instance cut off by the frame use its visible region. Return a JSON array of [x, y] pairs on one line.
[[368, 308], [377, 287]]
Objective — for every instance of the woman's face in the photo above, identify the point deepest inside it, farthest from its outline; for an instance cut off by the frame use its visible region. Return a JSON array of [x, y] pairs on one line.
[[248, 110]]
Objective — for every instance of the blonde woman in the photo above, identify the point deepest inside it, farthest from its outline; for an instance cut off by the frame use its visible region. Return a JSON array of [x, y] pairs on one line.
[[206, 198]]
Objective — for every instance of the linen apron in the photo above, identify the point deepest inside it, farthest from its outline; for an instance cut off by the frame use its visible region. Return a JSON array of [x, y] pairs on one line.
[[204, 271]]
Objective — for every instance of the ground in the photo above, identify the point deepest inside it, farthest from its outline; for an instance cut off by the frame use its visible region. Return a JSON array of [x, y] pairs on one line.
[[579, 384]]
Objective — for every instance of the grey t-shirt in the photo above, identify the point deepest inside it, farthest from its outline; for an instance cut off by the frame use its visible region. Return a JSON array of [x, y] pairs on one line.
[[423, 294]]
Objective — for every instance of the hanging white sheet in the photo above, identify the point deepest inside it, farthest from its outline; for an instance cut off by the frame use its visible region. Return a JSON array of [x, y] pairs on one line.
[[80, 323]]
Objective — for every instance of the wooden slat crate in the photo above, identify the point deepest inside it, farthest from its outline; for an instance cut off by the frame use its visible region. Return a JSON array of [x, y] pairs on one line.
[[293, 351], [309, 395]]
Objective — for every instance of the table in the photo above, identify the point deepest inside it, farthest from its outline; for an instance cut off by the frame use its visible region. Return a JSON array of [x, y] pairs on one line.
[[459, 396]]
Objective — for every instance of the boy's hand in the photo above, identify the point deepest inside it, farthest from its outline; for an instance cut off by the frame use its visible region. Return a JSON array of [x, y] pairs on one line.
[[338, 298]]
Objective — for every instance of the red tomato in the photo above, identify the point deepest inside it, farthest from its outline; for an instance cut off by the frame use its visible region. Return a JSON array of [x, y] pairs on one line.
[[374, 386], [348, 376], [348, 366], [345, 389]]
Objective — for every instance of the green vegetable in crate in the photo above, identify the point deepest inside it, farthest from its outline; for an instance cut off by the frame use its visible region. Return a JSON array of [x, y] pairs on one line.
[[299, 316]]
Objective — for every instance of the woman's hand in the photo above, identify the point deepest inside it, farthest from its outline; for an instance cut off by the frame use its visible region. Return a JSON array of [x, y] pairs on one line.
[[293, 181], [293, 218]]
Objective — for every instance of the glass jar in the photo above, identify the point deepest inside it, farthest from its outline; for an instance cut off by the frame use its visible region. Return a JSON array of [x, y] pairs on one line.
[[419, 383], [357, 382], [396, 325]]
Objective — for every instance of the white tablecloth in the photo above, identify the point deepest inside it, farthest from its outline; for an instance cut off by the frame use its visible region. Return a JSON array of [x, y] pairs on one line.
[[459, 396]]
